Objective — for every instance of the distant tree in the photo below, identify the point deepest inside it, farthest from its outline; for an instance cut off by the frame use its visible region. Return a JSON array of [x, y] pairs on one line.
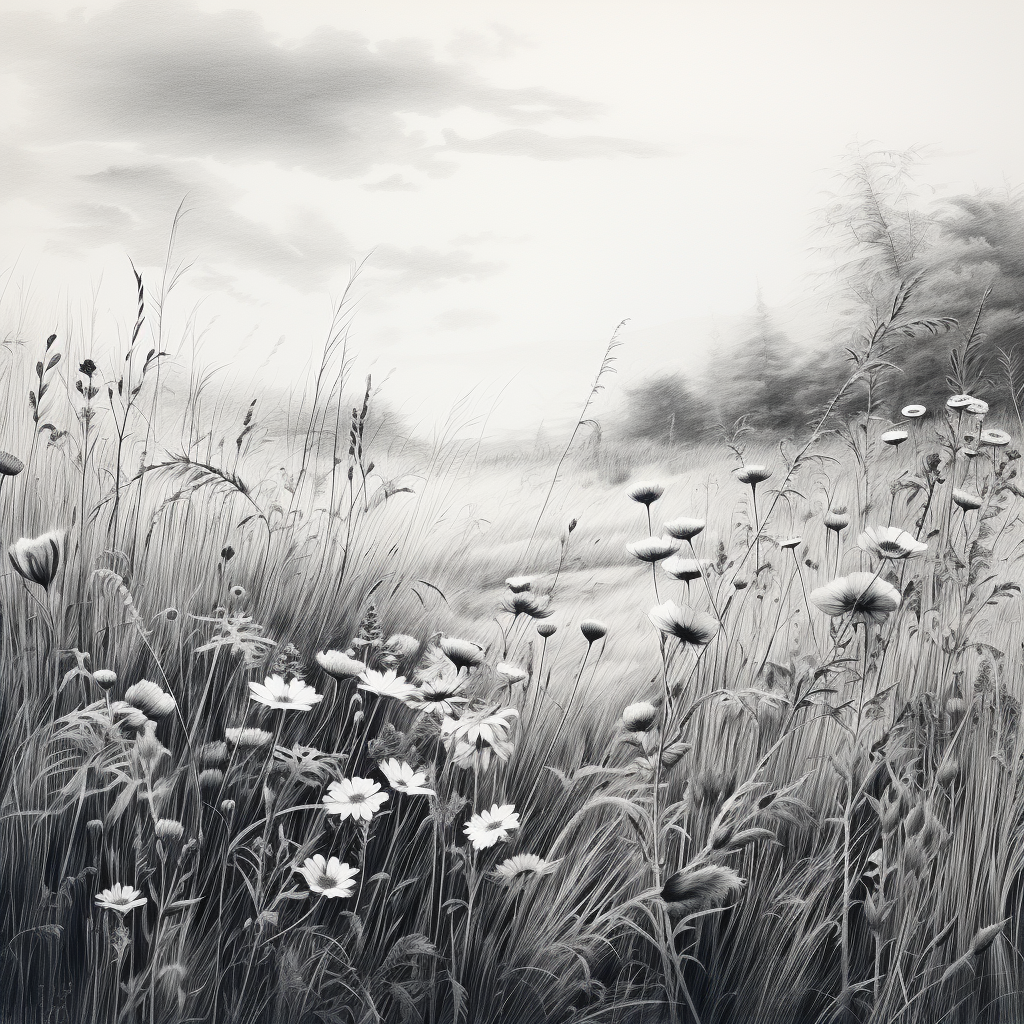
[[664, 408]]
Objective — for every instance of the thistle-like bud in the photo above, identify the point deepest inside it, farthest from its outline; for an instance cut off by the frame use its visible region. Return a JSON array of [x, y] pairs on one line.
[[639, 717], [104, 678], [593, 630], [37, 559], [546, 629], [169, 830]]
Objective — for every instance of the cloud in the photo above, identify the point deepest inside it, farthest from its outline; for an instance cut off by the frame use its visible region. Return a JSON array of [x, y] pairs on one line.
[[394, 183], [463, 319], [421, 267], [542, 146]]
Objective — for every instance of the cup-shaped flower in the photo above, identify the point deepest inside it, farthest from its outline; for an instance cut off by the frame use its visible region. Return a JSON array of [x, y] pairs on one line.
[[837, 519], [546, 629], [120, 898], [37, 559], [385, 684], [913, 412], [517, 584], [890, 542], [646, 493], [290, 695], [684, 528], [150, 698], [10, 465], [593, 630], [487, 827], [462, 653], [354, 798], [339, 665], [438, 696], [525, 602], [753, 474], [791, 543], [653, 549], [686, 569], [894, 438], [329, 878], [403, 778], [977, 408], [523, 868], [994, 438], [967, 501], [959, 402], [640, 717], [861, 594], [684, 623]]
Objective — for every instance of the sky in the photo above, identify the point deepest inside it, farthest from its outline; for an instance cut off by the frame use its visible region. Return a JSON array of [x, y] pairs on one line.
[[514, 178]]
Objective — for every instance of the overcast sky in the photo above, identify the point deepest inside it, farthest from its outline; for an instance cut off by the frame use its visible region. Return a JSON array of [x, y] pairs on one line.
[[523, 175]]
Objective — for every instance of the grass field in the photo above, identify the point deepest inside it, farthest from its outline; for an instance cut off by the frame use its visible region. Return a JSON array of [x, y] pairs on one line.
[[812, 811]]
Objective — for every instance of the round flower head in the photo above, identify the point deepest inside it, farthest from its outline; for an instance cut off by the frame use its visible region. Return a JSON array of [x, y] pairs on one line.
[[354, 798], [403, 778], [477, 756], [329, 878], [791, 543], [462, 653], [249, 738], [837, 519], [37, 559], [894, 438], [149, 698], [438, 696], [684, 528], [646, 493], [237, 592], [967, 501], [686, 569], [546, 629], [525, 602], [402, 645], [294, 695], [959, 402], [890, 542], [385, 684], [169, 830], [639, 717], [593, 630], [653, 549], [10, 465], [913, 412], [120, 898], [685, 624], [105, 678], [517, 584], [511, 674], [994, 438], [487, 827], [977, 408], [523, 868], [339, 665], [861, 594], [753, 474]]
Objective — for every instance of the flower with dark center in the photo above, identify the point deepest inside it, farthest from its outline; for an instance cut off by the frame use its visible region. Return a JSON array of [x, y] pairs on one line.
[[653, 549], [462, 653], [37, 559], [684, 528], [525, 602], [438, 696], [355, 798], [890, 542], [120, 898], [403, 778], [959, 402], [861, 594], [977, 408], [753, 474], [894, 438], [994, 438], [10, 465], [330, 878], [687, 625], [913, 412], [488, 827], [294, 695], [646, 493], [685, 569]]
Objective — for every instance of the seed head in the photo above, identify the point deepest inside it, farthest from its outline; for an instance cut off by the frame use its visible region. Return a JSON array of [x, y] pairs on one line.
[[10, 465], [593, 630], [546, 629]]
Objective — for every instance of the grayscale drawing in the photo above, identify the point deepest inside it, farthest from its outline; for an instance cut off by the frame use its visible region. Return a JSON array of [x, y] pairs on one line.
[[511, 512]]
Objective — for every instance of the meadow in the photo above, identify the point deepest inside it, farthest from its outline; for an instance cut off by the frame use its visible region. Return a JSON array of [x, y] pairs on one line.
[[299, 724]]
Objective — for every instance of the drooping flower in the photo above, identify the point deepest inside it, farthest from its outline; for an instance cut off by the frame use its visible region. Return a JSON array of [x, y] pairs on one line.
[[639, 717], [523, 868], [339, 664], [354, 798], [329, 878], [967, 501], [894, 438], [120, 898], [593, 630], [994, 438], [293, 695], [684, 528], [861, 594], [462, 653], [517, 584], [646, 492], [684, 623], [913, 412], [753, 474], [385, 684], [403, 778], [486, 828], [653, 549], [525, 602], [440, 696], [37, 559], [686, 569], [150, 698], [890, 542]]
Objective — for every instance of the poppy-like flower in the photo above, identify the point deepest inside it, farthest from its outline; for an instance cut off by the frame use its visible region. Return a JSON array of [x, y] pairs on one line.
[[977, 408], [120, 898], [890, 542], [860, 594], [248, 738], [646, 493], [403, 778], [511, 674], [385, 684], [994, 438], [546, 629], [328, 877], [913, 412], [293, 695], [959, 402], [517, 584], [148, 697], [593, 630], [684, 528], [438, 696], [490, 725], [105, 678], [487, 827], [524, 602], [967, 501], [686, 569], [639, 717], [10, 465], [894, 438], [339, 664], [837, 519], [354, 798], [461, 653], [754, 474], [685, 624], [524, 867], [653, 549], [791, 543], [37, 559]]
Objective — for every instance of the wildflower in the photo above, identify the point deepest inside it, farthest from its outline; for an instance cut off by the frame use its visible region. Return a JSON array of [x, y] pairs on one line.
[[860, 594], [686, 569], [890, 542], [913, 412], [355, 798], [959, 402], [546, 629], [684, 528], [339, 665], [653, 549], [523, 868], [517, 584], [894, 438], [87, 367], [977, 408], [438, 696], [227, 808], [478, 755], [329, 878], [686, 624], [740, 584], [120, 898], [274, 692], [402, 646], [105, 678], [213, 754], [994, 438], [791, 543], [526, 603], [487, 827], [709, 886], [248, 739], [593, 630], [837, 519], [462, 653], [385, 684], [169, 830], [170, 614], [753, 475], [646, 493], [403, 778], [37, 559], [967, 501], [211, 780], [511, 674], [971, 453], [490, 725], [227, 553], [148, 697], [237, 592], [10, 465], [640, 717]]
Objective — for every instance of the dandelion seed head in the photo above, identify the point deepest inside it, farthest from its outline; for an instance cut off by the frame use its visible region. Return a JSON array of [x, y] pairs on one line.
[[330, 878], [523, 868]]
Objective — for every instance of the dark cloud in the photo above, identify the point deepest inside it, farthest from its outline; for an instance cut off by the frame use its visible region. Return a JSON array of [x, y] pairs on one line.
[[541, 146]]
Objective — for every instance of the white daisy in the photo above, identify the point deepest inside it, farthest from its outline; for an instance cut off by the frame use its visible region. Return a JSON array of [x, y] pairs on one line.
[[487, 827], [294, 695], [120, 898], [385, 684], [355, 798], [403, 778], [328, 877]]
